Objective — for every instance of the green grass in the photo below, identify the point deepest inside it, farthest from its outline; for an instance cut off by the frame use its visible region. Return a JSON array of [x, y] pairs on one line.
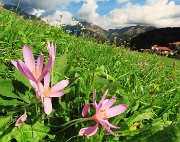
[[151, 94]]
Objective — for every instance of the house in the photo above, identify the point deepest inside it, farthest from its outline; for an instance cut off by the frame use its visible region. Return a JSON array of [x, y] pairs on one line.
[[175, 45], [160, 50]]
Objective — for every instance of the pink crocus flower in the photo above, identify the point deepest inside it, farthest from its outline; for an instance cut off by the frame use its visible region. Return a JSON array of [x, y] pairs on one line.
[[49, 92], [103, 112], [21, 119], [51, 50], [33, 71]]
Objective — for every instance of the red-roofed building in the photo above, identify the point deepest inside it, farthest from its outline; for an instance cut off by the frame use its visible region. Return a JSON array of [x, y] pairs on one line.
[[160, 50]]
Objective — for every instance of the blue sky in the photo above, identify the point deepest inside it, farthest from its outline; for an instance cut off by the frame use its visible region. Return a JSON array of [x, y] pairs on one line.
[[105, 13], [103, 6]]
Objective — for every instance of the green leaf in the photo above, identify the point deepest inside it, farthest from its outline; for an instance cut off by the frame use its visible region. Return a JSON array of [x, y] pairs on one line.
[[6, 89], [18, 76], [26, 132], [8, 102], [169, 134], [140, 115], [60, 63], [4, 120]]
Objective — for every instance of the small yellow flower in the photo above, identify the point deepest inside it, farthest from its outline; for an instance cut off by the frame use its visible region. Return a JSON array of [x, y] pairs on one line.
[[156, 87], [135, 126]]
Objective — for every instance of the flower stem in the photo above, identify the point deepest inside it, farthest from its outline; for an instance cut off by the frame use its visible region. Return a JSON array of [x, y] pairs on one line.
[[77, 121], [40, 91], [52, 75], [73, 122]]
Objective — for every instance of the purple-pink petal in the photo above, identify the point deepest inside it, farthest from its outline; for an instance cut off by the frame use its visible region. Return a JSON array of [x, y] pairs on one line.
[[94, 98], [57, 94], [47, 80], [114, 111], [46, 69], [110, 125], [21, 119], [108, 103], [98, 107], [47, 105], [103, 97], [107, 127], [28, 57], [85, 109], [89, 131], [40, 62], [14, 63], [60, 85], [51, 50], [25, 70]]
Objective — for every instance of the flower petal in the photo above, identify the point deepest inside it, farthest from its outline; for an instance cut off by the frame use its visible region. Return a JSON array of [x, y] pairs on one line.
[[57, 94], [103, 97], [28, 57], [110, 125], [60, 85], [25, 70], [14, 63], [116, 110], [34, 85], [108, 103], [21, 119], [51, 50], [89, 131], [85, 109], [46, 69], [94, 98], [107, 127], [47, 80], [40, 62], [47, 105]]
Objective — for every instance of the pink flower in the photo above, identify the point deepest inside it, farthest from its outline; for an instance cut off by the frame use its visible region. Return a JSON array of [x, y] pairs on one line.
[[48, 92], [31, 70], [21, 119], [171, 75], [51, 50], [103, 112]]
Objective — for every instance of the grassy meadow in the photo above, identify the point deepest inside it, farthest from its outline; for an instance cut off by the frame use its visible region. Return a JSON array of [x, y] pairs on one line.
[[149, 85]]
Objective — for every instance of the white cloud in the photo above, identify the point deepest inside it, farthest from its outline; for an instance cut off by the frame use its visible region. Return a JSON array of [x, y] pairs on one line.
[[42, 4], [122, 1], [60, 18], [88, 12], [158, 13], [37, 12]]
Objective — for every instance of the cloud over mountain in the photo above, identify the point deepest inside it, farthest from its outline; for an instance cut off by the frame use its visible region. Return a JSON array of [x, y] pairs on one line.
[[88, 12], [158, 13]]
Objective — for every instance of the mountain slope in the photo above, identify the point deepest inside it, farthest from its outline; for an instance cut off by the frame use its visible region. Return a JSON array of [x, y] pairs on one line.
[[162, 36], [94, 31]]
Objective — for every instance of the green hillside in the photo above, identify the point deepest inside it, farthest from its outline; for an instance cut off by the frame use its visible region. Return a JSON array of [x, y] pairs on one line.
[[149, 85]]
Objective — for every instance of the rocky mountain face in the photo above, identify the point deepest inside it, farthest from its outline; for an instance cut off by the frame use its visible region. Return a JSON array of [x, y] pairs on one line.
[[93, 31], [87, 30]]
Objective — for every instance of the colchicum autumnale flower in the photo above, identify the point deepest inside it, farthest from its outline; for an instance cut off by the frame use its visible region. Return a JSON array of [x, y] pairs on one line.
[[21, 119], [51, 50], [47, 92], [103, 112], [34, 72]]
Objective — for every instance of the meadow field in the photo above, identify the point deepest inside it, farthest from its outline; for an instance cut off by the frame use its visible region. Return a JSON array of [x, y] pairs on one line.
[[146, 87]]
